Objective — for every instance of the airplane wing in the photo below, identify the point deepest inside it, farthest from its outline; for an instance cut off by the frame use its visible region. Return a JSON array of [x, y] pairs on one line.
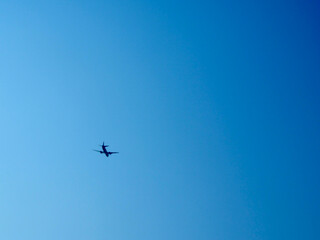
[[97, 151], [112, 152]]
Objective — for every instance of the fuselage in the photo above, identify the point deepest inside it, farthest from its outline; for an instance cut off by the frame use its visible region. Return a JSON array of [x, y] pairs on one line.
[[105, 150]]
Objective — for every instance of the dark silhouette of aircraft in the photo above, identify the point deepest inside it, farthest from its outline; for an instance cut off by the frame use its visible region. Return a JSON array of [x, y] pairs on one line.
[[104, 150]]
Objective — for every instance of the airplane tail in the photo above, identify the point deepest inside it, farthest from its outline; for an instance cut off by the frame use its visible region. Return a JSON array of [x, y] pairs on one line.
[[104, 145]]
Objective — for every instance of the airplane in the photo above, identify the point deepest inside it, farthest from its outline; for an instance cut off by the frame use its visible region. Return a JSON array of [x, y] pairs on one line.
[[104, 150]]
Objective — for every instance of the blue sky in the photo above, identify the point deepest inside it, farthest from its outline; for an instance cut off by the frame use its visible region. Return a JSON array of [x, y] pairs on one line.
[[213, 106]]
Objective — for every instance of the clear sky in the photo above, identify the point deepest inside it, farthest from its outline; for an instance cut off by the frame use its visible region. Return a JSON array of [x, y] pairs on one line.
[[213, 106]]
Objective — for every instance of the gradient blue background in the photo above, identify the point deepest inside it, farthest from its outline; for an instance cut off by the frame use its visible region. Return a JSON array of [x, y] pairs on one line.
[[213, 106]]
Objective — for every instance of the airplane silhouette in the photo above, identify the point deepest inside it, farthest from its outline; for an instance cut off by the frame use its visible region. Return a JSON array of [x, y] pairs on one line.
[[104, 150]]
